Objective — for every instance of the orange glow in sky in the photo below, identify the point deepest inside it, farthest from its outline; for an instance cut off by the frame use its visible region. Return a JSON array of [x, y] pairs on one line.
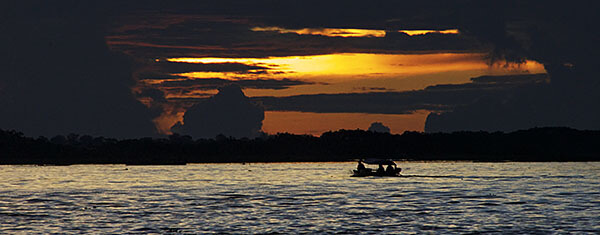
[[343, 73], [329, 32], [355, 64], [426, 31], [317, 123], [337, 32]]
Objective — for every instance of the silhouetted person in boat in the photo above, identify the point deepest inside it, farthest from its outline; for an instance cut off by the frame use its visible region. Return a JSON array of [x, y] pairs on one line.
[[360, 167], [380, 170], [390, 170]]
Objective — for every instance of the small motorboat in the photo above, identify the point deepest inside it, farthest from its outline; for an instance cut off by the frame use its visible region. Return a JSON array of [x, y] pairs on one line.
[[391, 171]]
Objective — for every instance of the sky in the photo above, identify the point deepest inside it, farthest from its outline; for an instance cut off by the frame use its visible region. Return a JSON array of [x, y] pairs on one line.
[[130, 69]]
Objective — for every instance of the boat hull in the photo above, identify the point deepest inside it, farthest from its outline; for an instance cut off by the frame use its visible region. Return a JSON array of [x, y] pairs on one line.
[[365, 173]]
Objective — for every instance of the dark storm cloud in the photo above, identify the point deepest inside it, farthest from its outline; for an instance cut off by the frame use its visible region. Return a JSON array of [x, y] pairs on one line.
[[155, 94], [246, 43], [158, 76], [512, 79], [563, 37], [208, 30], [433, 14], [215, 83], [229, 112], [380, 102], [165, 70], [357, 14], [438, 98], [180, 85], [58, 76], [270, 83], [493, 82], [173, 67], [373, 89]]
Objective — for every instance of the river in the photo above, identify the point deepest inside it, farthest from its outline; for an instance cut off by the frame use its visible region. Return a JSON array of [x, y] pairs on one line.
[[433, 197]]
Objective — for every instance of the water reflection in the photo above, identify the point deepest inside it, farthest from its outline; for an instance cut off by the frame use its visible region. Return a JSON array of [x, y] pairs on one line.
[[447, 197]]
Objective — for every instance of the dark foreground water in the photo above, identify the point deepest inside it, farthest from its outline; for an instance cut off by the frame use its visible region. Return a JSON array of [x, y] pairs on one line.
[[448, 197]]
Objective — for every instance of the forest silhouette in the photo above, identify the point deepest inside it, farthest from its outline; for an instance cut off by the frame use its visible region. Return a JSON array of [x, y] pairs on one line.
[[537, 144]]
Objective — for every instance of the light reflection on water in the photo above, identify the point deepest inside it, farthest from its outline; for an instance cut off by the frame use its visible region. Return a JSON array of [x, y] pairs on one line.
[[455, 197]]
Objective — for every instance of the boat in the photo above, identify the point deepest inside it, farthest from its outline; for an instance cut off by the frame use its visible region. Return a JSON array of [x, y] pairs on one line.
[[395, 172]]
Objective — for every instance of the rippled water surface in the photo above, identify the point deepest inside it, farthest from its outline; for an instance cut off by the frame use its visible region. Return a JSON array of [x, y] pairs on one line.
[[448, 197]]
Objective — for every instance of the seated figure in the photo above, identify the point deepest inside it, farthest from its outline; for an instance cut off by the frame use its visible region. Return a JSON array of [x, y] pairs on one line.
[[390, 170], [361, 166], [380, 170]]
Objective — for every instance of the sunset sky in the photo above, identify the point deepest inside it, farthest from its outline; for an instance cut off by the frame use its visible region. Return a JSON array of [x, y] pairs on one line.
[[310, 66]]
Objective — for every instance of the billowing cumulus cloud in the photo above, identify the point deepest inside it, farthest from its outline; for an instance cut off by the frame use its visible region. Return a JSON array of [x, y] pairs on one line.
[[59, 77], [379, 127], [229, 112]]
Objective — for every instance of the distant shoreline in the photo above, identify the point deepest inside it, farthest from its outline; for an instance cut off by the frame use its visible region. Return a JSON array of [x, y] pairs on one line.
[[551, 144], [249, 163], [277, 162]]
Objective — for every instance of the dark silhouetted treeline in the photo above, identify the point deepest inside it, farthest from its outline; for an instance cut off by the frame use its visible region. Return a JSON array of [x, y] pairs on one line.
[[538, 144]]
